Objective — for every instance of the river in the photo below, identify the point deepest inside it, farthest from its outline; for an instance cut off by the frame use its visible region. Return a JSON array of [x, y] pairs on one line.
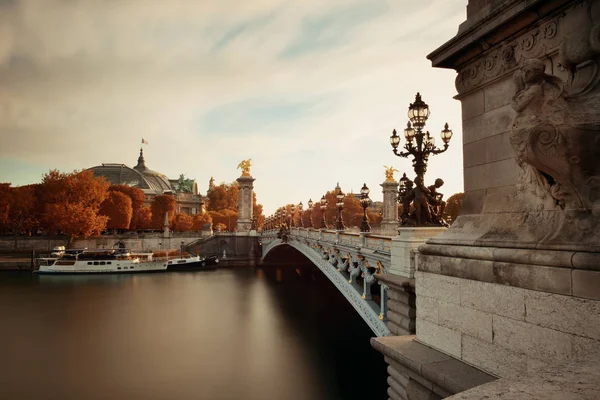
[[272, 332]]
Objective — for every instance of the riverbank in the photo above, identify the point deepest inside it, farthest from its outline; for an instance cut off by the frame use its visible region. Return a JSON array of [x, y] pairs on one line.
[[16, 262]]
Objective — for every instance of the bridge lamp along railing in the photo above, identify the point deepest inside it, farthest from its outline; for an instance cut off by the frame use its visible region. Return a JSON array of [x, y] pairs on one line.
[[323, 208], [419, 145], [339, 195], [310, 206], [300, 222], [365, 202], [292, 213]]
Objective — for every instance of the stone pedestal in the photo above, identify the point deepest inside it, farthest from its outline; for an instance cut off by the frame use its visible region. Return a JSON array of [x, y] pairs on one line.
[[404, 248], [389, 224], [244, 222]]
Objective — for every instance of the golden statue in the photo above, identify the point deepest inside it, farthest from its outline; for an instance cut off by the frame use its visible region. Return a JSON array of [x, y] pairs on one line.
[[245, 166], [389, 173]]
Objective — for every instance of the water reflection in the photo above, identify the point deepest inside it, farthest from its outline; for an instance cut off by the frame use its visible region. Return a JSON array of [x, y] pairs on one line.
[[220, 334]]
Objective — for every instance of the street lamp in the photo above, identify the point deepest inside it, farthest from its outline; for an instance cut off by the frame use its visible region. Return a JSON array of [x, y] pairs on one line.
[[323, 208], [365, 201], [300, 222], [419, 145], [293, 210], [339, 195], [310, 206]]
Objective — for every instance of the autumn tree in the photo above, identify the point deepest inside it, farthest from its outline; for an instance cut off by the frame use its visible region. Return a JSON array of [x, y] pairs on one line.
[[4, 206], [453, 206], [257, 212], [23, 211], [118, 208], [226, 217], [182, 222], [137, 200], [199, 220], [223, 197], [161, 205], [71, 203], [143, 218]]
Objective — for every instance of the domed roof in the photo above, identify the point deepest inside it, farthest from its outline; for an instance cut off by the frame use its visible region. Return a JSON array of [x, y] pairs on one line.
[[139, 176]]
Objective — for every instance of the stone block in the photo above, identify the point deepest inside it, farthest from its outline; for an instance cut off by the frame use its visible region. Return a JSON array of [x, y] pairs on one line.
[[473, 202], [466, 320], [500, 200], [399, 296], [427, 308], [498, 94], [535, 277], [456, 375], [498, 148], [430, 264], [399, 377], [533, 341], [474, 153], [465, 268], [397, 330], [401, 308], [416, 391], [472, 104], [489, 124], [564, 313], [439, 287], [399, 390], [439, 337], [492, 358], [402, 321], [586, 348], [490, 175], [586, 284], [491, 298]]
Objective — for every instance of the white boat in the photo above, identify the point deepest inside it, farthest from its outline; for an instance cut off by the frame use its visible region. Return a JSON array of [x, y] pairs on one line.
[[101, 261]]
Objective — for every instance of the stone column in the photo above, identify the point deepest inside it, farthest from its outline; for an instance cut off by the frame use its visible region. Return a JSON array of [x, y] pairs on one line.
[[244, 222], [389, 224]]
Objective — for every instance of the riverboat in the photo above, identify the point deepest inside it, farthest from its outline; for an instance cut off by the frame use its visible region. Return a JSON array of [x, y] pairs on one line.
[[100, 261], [192, 263]]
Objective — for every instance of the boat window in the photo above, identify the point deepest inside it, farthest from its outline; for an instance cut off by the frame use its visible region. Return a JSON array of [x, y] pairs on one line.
[[102, 263], [64, 262], [89, 263], [96, 262], [170, 262], [109, 262], [118, 267], [181, 262]]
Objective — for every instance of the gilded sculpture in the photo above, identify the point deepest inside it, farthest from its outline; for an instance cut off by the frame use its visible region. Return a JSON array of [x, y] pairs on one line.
[[389, 173], [245, 166]]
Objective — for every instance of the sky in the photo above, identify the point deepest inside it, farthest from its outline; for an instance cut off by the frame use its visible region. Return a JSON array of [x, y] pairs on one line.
[[310, 90]]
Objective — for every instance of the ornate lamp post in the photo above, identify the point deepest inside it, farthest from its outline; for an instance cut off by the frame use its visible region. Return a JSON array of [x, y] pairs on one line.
[[292, 213], [284, 216], [323, 208], [419, 145], [339, 195], [300, 222], [310, 206], [365, 202]]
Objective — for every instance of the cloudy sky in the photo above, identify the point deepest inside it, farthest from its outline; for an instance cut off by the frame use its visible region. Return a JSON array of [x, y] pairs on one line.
[[309, 89]]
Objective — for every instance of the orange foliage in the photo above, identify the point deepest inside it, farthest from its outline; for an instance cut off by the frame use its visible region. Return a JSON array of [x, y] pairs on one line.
[[4, 206], [137, 200], [199, 220], [72, 201], [117, 207], [182, 222], [23, 212], [227, 218], [161, 205], [143, 217], [223, 197]]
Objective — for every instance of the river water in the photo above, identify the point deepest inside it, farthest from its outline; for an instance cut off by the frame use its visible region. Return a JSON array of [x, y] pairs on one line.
[[272, 332]]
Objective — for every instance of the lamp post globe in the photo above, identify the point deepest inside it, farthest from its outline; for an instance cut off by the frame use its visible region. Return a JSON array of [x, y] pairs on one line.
[[365, 202], [310, 206], [323, 208], [300, 219], [292, 213]]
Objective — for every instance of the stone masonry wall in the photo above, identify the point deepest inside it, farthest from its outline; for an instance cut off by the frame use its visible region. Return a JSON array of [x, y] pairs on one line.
[[504, 330]]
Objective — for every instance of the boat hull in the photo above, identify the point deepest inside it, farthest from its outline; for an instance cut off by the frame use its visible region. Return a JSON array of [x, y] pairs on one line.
[[113, 267], [192, 264]]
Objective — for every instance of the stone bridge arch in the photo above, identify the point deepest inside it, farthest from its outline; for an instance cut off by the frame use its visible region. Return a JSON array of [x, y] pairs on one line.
[[367, 309]]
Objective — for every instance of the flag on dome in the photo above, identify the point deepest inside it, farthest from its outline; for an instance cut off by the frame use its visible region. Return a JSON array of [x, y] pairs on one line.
[[144, 141]]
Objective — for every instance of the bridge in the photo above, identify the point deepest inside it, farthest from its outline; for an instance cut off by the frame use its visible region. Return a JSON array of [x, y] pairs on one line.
[[363, 266]]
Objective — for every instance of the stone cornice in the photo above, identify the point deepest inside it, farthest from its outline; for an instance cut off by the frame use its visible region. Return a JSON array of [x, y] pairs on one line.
[[492, 30]]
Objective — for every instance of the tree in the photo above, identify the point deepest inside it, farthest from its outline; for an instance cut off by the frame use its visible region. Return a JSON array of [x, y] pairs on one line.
[[71, 202], [257, 212], [161, 205], [223, 197], [137, 200], [226, 217], [5, 192], [453, 206], [23, 212], [199, 220], [117, 207], [182, 222], [143, 217]]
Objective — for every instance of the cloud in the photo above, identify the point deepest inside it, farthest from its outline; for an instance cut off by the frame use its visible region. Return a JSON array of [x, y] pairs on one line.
[[309, 89]]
